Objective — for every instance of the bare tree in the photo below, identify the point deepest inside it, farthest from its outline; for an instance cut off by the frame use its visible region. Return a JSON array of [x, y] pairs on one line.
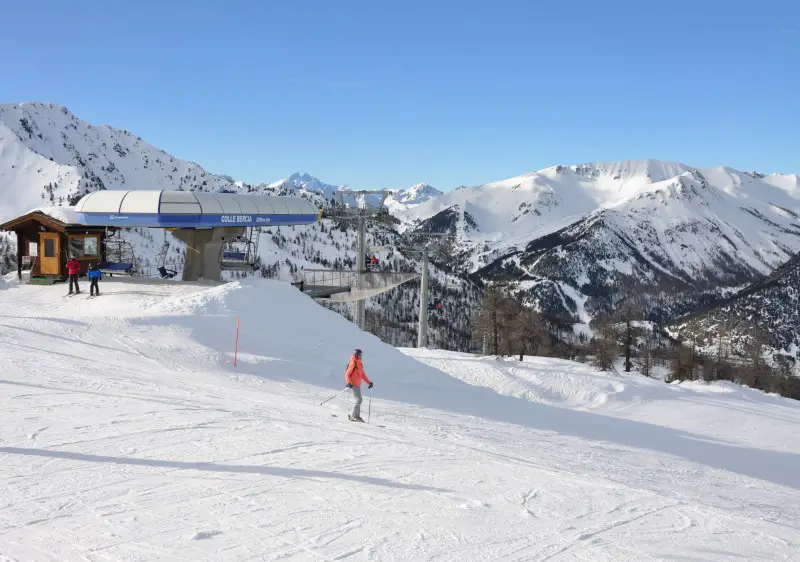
[[645, 359], [605, 345], [492, 319], [627, 309], [723, 346], [680, 364], [756, 369], [529, 332]]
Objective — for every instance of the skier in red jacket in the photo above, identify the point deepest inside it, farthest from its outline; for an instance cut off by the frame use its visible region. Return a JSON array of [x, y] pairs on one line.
[[354, 375], [74, 269]]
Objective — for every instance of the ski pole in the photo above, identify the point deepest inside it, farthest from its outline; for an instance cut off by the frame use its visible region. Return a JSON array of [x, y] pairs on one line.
[[369, 407], [332, 397]]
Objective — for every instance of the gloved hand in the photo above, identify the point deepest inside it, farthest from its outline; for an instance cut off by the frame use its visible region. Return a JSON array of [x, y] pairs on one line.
[[349, 385], [370, 385]]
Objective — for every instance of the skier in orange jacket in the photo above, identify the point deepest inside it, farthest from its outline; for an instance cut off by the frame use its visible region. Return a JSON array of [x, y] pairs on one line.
[[354, 376]]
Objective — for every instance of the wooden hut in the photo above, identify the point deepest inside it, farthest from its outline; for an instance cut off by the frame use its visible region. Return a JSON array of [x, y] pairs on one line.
[[47, 243]]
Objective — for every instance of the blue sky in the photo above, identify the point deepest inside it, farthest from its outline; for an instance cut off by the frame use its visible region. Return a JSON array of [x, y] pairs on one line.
[[379, 94]]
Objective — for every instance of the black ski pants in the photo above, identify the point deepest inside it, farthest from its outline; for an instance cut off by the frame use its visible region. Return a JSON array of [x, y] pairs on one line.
[[94, 287], [73, 281]]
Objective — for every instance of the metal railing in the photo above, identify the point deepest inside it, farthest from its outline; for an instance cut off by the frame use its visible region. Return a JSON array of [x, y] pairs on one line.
[[327, 283]]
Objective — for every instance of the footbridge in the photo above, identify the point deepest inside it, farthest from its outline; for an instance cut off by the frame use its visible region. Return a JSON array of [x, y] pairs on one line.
[[340, 285]]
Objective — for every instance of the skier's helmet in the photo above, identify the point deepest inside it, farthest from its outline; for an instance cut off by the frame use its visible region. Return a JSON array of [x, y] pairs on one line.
[[357, 353]]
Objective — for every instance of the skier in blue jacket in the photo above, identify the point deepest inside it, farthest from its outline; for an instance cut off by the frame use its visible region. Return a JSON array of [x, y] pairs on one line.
[[94, 276]]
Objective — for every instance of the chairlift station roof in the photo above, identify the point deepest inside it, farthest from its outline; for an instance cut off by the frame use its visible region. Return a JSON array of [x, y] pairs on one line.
[[186, 209]]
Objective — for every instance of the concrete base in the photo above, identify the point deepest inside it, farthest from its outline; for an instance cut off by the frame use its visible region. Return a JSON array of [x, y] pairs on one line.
[[203, 249]]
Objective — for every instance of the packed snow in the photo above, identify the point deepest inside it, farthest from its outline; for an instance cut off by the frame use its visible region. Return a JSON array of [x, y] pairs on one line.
[[127, 433]]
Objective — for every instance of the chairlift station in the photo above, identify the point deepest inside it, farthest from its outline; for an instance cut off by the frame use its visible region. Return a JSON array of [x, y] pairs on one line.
[[220, 230]]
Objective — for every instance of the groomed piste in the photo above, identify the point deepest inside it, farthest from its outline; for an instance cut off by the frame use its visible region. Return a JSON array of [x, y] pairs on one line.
[[184, 209], [127, 433]]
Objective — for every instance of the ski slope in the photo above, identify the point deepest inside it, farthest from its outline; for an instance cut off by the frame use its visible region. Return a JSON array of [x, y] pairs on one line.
[[126, 433]]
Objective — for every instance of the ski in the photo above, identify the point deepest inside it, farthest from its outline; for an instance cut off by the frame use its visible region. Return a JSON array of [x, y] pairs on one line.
[[372, 424]]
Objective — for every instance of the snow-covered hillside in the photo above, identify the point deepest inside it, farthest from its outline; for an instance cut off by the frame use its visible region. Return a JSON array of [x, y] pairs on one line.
[[48, 156], [768, 310], [573, 229], [135, 438]]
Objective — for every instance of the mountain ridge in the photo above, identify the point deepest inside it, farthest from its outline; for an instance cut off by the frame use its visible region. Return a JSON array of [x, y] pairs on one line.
[[49, 156]]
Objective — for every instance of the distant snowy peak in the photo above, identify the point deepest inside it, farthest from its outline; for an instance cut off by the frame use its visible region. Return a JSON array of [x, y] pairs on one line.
[[416, 194], [302, 184], [306, 181]]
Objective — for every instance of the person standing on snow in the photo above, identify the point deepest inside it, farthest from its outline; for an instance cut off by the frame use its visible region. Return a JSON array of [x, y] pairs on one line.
[[74, 269], [354, 375], [94, 275]]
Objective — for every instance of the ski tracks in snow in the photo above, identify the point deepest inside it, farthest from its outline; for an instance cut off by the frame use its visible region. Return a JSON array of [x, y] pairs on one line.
[[123, 441]]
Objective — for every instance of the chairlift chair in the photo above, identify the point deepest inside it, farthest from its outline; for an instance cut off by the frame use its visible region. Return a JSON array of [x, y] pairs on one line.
[[118, 257], [435, 306], [162, 261], [371, 261], [238, 255], [373, 258]]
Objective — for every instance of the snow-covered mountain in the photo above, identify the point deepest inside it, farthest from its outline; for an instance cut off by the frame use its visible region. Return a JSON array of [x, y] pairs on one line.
[[565, 233], [49, 156], [297, 185], [769, 308], [306, 185], [403, 199], [416, 194]]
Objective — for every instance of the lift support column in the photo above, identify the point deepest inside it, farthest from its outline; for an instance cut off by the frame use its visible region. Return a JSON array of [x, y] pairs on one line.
[[422, 333], [360, 266], [203, 247]]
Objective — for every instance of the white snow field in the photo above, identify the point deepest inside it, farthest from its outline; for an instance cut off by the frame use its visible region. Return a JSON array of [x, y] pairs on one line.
[[126, 433]]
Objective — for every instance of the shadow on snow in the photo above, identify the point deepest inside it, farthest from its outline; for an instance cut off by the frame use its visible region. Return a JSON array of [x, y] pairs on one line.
[[213, 467]]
